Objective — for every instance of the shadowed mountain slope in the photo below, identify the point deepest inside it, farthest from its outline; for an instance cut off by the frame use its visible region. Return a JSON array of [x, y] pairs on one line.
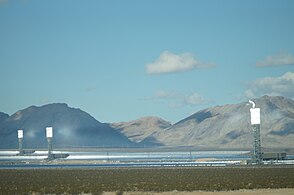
[[3, 116], [72, 128]]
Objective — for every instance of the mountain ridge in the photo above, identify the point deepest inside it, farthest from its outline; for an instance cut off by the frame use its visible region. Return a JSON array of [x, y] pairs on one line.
[[226, 126], [138, 130], [72, 128]]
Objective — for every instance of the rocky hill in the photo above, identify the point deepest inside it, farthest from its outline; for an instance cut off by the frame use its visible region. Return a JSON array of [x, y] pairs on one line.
[[228, 126], [72, 128], [138, 130]]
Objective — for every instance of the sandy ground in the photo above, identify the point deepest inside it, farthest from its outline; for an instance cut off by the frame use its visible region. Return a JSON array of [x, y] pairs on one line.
[[288, 191]]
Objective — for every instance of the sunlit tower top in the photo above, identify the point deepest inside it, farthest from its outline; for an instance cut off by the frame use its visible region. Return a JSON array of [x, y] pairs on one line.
[[49, 132], [20, 134], [255, 114]]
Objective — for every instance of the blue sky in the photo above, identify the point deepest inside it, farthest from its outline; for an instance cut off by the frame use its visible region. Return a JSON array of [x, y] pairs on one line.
[[121, 60]]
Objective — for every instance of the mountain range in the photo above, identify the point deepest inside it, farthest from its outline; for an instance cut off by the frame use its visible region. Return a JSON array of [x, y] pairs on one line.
[[72, 128], [226, 126]]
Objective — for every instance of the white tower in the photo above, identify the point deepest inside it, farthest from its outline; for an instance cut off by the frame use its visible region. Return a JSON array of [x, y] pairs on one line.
[[49, 135], [255, 124], [20, 137]]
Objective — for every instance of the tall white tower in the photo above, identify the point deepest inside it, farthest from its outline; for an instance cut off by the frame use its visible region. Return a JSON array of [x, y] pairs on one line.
[[255, 124], [49, 135], [20, 137]]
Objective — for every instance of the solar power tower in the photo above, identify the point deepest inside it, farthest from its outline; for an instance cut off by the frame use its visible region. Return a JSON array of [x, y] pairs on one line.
[[49, 135], [255, 125], [20, 137]]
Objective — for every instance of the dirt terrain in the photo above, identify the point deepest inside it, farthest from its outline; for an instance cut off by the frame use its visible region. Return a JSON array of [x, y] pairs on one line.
[[177, 180], [289, 191]]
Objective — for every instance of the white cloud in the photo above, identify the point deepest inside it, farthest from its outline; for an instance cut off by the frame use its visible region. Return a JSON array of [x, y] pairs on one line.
[[194, 99], [169, 62], [274, 86], [278, 59], [177, 99]]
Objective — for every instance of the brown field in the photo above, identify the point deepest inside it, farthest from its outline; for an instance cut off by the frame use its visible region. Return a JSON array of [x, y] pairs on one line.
[[287, 191], [135, 180]]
